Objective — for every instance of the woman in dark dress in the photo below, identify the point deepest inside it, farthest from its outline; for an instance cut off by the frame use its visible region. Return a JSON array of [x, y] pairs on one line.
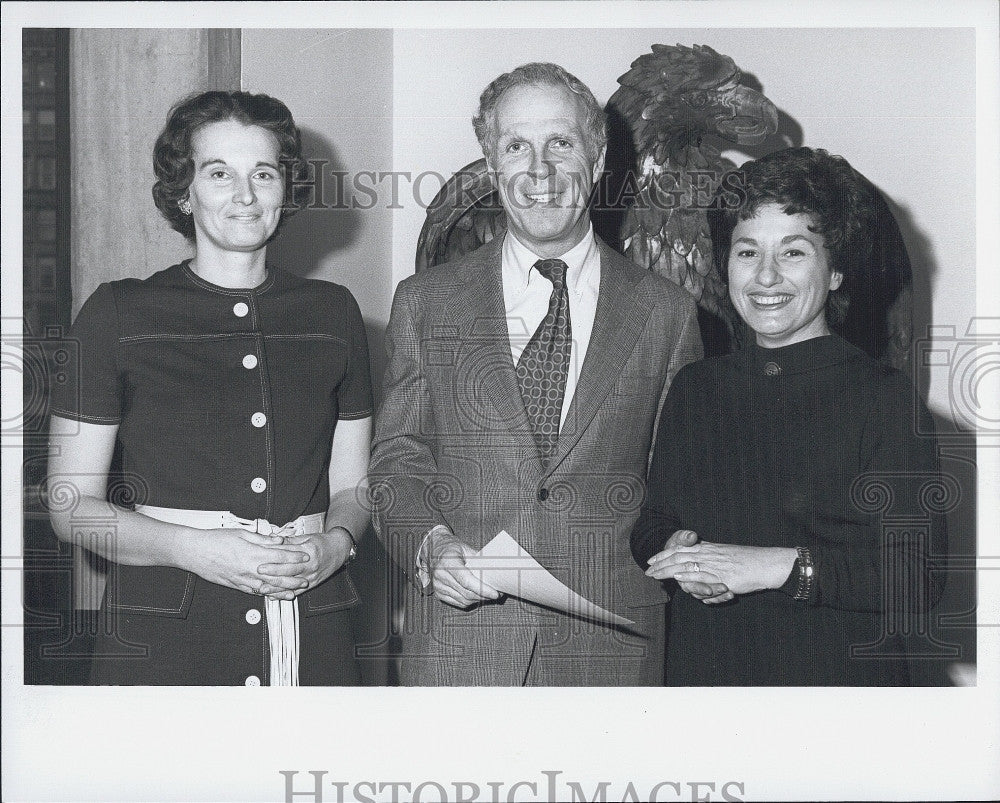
[[238, 399], [771, 464]]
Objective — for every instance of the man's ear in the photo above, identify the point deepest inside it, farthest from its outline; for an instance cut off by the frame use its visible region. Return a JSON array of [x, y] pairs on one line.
[[599, 163], [492, 171], [836, 279]]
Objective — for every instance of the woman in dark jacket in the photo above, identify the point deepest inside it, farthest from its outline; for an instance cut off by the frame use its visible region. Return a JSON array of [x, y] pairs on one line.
[[238, 398], [772, 464]]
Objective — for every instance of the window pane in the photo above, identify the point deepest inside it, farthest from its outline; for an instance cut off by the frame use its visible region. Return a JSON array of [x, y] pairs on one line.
[[46, 172], [46, 124], [46, 270], [45, 225]]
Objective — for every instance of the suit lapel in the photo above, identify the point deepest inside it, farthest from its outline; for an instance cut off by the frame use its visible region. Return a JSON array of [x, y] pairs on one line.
[[619, 320], [477, 310]]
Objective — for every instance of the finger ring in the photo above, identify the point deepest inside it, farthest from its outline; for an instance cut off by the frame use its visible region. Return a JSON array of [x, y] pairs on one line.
[[696, 567]]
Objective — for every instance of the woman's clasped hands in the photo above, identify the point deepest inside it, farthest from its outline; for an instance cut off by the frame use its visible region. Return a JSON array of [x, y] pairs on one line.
[[716, 573], [280, 565]]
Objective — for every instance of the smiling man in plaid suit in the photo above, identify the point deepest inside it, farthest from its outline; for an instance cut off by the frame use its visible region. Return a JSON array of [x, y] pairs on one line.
[[522, 392]]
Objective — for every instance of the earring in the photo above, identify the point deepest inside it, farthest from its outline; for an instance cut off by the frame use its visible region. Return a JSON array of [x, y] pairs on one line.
[[184, 206]]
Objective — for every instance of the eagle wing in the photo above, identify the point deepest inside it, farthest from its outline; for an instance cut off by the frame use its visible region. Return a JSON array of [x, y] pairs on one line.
[[465, 214]]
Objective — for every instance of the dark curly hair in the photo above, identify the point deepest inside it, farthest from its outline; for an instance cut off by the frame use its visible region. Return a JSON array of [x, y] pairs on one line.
[[172, 155], [840, 202]]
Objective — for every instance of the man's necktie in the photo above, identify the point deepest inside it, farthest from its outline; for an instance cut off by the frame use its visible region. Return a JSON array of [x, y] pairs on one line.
[[544, 363]]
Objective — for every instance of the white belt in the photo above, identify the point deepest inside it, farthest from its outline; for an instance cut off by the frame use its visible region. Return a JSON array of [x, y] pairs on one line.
[[282, 614]]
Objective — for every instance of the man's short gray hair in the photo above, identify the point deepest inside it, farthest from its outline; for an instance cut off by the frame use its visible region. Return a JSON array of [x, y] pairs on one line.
[[538, 74]]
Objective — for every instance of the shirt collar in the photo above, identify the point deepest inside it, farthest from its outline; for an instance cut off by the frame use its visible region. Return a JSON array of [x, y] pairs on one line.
[[518, 260]]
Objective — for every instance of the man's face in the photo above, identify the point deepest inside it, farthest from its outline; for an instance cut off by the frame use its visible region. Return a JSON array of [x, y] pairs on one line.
[[544, 167]]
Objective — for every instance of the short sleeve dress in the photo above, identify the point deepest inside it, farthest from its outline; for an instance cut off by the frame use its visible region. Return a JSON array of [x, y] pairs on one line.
[[225, 399], [814, 445]]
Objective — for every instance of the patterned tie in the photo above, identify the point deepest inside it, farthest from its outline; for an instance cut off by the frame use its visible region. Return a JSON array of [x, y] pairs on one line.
[[544, 363]]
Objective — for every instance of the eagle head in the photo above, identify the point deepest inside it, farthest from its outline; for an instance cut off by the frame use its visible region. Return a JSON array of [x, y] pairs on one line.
[[678, 94]]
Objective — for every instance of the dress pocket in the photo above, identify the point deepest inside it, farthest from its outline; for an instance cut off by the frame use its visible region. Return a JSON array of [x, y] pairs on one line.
[[150, 591], [333, 594]]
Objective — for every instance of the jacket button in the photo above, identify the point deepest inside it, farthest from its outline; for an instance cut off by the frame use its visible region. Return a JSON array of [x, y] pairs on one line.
[[253, 680], [240, 309], [250, 361], [253, 616], [543, 494], [258, 420], [258, 485]]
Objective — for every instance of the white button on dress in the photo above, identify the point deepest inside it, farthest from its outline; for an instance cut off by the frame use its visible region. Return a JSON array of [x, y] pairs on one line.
[[253, 616], [258, 419], [257, 485], [240, 309], [250, 361]]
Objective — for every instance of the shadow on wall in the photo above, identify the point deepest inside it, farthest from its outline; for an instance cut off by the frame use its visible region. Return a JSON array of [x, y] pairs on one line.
[[788, 135], [924, 268], [327, 223]]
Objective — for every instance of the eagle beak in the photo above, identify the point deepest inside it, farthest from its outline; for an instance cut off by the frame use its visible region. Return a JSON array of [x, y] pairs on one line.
[[751, 117]]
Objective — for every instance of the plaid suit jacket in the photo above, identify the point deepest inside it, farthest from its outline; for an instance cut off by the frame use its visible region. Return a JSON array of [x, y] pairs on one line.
[[453, 446]]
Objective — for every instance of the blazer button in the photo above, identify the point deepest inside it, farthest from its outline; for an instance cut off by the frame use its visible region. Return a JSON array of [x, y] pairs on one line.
[[240, 309], [252, 680], [543, 494], [257, 485], [253, 616]]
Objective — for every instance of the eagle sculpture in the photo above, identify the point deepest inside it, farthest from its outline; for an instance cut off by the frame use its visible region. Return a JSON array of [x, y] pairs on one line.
[[681, 106]]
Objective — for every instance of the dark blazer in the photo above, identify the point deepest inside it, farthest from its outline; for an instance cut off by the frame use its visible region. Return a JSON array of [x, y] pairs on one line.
[[453, 445]]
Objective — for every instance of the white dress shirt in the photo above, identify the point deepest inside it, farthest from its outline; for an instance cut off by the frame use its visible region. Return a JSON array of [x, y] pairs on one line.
[[526, 296]]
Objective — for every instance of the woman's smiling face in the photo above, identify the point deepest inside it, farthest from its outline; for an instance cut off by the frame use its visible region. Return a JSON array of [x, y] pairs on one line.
[[780, 277], [237, 191]]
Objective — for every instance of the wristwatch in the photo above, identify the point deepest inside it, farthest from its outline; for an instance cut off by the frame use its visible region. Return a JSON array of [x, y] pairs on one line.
[[806, 569], [353, 553]]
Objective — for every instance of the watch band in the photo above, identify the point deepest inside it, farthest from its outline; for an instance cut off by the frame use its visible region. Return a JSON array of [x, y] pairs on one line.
[[806, 570]]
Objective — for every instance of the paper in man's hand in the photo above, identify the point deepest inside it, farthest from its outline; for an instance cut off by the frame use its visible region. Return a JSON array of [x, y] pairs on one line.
[[506, 566]]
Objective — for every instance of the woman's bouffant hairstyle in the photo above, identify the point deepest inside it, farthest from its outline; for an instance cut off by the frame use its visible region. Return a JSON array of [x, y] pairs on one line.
[[840, 201], [172, 155], [537, 73]]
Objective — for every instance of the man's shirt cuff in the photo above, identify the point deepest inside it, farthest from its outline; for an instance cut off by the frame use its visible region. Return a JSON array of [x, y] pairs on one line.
[[422, 563]]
